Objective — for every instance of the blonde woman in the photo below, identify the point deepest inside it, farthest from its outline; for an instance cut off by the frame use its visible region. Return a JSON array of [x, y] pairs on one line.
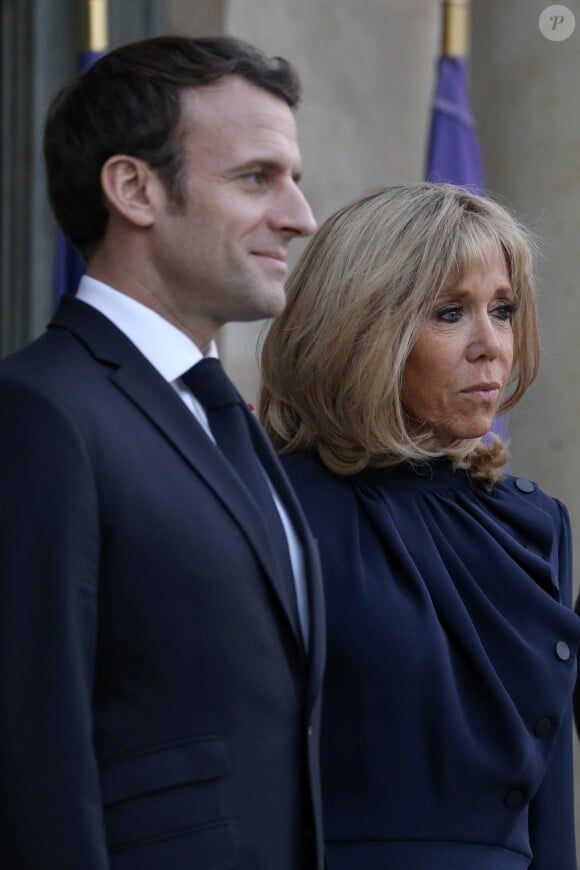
[[446, 741]]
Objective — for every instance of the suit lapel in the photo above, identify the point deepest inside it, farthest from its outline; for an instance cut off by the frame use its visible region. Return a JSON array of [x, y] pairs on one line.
[[313, 568], [140, 382]]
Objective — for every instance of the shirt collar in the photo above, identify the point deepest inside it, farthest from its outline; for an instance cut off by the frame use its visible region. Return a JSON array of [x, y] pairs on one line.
[[165, 346]]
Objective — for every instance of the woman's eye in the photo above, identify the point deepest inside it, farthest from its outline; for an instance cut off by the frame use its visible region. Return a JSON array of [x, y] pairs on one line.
[[504, 311], [449, 314]]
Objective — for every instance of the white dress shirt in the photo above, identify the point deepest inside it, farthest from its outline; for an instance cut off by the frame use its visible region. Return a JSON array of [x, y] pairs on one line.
[[172, 353]]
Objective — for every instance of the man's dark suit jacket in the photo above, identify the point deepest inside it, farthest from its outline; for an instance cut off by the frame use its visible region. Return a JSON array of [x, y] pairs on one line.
[[158, 709]]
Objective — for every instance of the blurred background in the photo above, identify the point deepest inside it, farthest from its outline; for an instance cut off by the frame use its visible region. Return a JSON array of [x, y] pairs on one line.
[[369, 71]]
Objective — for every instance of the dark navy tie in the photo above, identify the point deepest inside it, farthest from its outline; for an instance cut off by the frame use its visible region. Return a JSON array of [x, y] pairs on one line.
[[227, 415]]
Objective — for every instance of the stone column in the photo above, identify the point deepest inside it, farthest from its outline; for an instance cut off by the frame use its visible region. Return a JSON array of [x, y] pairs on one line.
[[39, 44]]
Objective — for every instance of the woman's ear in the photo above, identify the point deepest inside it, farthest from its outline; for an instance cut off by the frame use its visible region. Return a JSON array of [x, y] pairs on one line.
[[131, 188]]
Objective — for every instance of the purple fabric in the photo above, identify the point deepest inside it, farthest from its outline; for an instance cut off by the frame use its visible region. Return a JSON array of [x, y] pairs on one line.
[[69, 265], [454, 155]]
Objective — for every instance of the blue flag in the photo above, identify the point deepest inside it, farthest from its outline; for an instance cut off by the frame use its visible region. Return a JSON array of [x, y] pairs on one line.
[[454, 155], [69, 265]]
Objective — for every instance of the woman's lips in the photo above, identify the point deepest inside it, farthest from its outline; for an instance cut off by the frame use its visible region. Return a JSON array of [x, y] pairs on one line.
[[484, 391]]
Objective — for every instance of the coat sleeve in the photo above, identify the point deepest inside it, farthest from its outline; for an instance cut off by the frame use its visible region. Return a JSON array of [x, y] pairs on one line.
[[50, 806], [577, 689], [552, 809]]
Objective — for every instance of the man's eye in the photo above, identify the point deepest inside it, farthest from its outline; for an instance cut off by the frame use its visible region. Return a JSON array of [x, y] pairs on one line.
[[256, 177], [449, 314]]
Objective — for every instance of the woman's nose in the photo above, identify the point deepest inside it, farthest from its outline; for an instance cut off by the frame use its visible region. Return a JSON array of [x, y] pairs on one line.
[[485, 341]]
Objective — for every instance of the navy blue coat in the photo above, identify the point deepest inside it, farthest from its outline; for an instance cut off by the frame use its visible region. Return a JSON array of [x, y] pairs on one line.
[[157, 708], [577, 690], [446, 730]]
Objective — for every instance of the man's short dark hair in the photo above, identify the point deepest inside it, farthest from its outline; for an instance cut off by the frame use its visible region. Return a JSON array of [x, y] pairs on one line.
[[129, 102]]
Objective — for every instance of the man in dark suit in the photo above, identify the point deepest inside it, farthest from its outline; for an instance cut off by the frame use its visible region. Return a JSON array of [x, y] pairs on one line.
[[161, 636]]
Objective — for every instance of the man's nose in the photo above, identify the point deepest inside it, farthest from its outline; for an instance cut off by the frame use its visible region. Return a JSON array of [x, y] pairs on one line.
[[294, 215]]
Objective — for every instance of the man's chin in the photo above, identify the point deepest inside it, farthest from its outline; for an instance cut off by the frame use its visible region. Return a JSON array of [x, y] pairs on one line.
[[273, 302], [263, 307]]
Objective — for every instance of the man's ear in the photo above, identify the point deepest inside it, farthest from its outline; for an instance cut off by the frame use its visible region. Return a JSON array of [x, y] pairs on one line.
[[131, 188]]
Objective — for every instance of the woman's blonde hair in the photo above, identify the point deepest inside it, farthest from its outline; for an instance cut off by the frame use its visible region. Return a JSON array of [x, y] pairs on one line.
[[332, 363]]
